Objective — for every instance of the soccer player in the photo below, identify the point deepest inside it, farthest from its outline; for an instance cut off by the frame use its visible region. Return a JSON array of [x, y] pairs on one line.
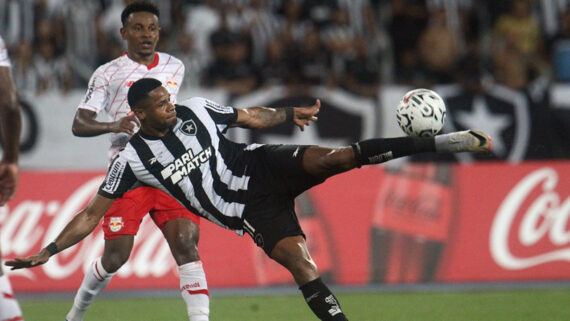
[[108, 91], [10, 126], [245, 188]]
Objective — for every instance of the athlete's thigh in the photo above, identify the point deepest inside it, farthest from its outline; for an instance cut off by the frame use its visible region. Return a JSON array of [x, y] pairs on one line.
[[284, 166], [125, 215], [165, 208], [272, 224]]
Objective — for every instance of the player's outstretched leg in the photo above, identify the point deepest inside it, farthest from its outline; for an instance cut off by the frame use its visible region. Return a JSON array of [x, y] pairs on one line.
[[324, 162], [292, 253], [379, 150], [115, 254]]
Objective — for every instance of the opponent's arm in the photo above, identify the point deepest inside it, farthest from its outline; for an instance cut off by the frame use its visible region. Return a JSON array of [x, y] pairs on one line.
[[263, 117], [85, 124], [76, 230], [11, 124]]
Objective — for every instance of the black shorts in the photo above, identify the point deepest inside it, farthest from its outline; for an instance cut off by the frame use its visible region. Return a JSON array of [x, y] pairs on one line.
[[277, 177]]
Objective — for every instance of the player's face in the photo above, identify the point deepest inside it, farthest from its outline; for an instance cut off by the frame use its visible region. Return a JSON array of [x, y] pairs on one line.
[[160, 113], [141, 31]]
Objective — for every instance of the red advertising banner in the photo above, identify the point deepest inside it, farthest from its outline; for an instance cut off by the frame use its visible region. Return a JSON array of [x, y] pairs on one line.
[[483, 222], [511, 223]]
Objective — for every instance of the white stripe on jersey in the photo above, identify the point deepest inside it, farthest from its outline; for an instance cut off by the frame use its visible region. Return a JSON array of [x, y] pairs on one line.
[[110, 83], [4, 60], [226, 176]]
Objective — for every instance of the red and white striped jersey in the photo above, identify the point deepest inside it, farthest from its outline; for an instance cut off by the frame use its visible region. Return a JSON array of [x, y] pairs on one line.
[[4, 60], [110, 84]]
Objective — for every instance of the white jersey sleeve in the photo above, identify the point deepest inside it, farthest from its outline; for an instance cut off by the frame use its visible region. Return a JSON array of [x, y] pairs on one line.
[[4, 60], [97, 96]]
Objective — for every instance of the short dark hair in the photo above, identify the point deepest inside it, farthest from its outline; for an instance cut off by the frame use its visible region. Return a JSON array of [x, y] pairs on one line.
[[139, 6], [139, 90]]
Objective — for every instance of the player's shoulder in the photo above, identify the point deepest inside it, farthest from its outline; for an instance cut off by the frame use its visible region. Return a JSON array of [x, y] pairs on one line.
[[193, 102], [110, 67], [168, 58]]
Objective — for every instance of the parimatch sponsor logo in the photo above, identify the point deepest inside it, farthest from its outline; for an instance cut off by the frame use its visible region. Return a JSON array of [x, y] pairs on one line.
[[185, 164]]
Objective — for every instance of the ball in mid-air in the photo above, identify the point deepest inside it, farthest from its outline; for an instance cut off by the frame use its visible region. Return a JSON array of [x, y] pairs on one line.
[[421, 113]]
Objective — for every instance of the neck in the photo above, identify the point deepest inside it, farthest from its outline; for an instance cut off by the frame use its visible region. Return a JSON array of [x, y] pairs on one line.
[[151, 132], [146, 60]]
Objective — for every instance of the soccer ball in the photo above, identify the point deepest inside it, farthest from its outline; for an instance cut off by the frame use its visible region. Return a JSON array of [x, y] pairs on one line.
[[421, 113]]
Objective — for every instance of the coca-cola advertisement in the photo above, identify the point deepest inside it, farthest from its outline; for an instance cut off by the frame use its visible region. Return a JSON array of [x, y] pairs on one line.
[[420, 223]]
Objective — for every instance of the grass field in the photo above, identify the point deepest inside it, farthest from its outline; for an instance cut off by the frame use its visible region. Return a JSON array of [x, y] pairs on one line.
[[517, 305]]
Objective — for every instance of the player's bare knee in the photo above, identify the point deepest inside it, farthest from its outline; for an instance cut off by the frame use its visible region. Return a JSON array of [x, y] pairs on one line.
[[114, 260]]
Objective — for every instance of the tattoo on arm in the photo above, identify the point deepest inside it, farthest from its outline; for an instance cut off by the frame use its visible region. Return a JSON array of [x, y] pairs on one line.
[[263, 117]]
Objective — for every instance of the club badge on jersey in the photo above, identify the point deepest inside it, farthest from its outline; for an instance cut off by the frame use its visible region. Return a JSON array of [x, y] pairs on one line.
[[171, 85], [116, 224]]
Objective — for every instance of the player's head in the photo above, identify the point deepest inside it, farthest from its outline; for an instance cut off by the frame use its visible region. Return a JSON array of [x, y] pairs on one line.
[[140, 28], [150, 101]]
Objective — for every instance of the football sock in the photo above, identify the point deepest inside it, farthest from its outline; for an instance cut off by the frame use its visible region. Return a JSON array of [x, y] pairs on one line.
[[321, 300], [94, 281], [9, 308], [379, 150], [194, 290]]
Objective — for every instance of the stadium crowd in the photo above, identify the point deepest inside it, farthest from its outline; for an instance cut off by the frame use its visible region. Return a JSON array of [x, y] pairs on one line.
[[241, 45]]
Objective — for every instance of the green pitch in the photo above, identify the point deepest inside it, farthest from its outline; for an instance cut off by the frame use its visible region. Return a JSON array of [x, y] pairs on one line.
[[528, 305]]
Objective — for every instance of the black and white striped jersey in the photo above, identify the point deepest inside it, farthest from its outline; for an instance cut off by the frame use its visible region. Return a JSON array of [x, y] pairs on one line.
[[194, 163]]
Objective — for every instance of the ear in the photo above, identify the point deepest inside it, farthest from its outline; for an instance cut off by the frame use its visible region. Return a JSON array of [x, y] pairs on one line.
[[123, 31], [139, 112]]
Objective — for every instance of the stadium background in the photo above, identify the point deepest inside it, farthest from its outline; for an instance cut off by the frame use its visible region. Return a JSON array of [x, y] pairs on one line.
[[501, 217]]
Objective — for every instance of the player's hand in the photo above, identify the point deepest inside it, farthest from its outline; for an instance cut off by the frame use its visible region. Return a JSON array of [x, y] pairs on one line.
[[126, 124], [8, 181], [304, 116], [29, 261]]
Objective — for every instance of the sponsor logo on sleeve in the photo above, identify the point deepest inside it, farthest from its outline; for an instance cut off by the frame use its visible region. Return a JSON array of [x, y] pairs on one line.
[[113, 177]]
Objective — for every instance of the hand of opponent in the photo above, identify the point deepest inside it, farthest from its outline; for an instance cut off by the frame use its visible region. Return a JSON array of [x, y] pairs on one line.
[[126, 124]]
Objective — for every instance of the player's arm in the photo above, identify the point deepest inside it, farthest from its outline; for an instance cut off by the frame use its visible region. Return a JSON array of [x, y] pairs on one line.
[[96, 99], [85, 124], [11, 124], [264, 117], [76, 230]]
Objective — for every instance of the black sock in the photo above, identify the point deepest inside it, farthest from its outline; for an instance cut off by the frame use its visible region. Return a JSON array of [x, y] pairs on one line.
[[380, 150], [321, 300]]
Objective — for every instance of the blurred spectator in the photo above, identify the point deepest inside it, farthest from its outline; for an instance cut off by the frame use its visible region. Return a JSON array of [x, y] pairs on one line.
[[17, 21], [438, 49], [320, 12], [110, 21], [310, 63], [81, 31], [560, 45], [409, 18], [519, 28], [231, 68], [194, 63], [362, 71], [275, 69], [518, 49], [25, 74], [201, 21], [52, 70], [339, 38], [352, 43]]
